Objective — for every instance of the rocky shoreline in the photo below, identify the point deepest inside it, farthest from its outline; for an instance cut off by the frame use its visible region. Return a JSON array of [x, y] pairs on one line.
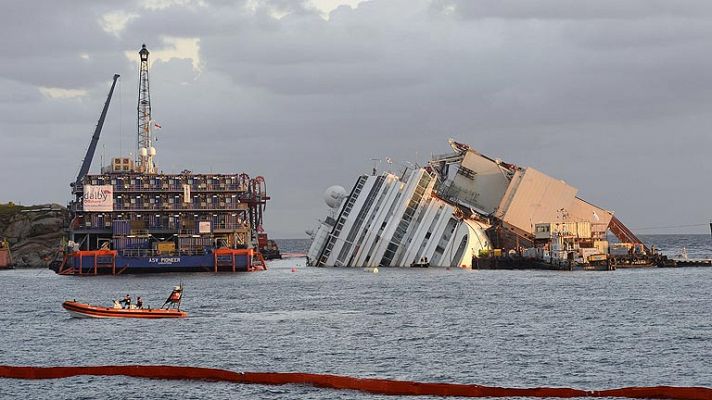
[[35, 233]]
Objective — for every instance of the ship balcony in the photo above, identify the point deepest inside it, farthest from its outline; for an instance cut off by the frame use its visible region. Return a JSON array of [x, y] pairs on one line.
[[229, 226], [154, 253], [175, 227], [159, 230], [170, 207], [201, 188], [180, 207], [90, 229]]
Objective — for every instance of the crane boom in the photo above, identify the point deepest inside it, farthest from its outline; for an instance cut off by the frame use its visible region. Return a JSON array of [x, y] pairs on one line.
[[84, 170]]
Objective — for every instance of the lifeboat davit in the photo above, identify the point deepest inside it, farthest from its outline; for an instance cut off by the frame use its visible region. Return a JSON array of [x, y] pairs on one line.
[[82, 310]]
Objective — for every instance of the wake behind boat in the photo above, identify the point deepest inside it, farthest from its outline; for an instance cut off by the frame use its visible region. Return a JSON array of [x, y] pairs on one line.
[[83, 310]]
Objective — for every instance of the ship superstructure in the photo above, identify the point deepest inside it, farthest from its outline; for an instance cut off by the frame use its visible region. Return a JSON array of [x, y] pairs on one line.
[[463, 209], [131, 218]]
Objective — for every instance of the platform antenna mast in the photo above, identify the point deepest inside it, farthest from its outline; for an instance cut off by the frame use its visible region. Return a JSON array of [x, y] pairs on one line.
[[146, 152]]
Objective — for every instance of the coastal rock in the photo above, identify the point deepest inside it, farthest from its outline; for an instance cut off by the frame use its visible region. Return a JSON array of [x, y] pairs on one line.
[[18, 229], [34, 233], [34, 254]]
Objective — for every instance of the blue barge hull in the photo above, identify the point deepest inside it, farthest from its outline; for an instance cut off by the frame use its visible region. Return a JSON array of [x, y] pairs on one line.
[[109, 262]]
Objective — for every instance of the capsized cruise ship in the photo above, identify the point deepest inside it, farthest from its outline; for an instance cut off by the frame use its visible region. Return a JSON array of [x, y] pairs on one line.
[[461, 207]]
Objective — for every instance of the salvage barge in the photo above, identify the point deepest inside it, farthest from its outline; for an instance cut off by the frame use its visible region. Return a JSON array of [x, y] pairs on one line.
[[465, 209], [132, 219]]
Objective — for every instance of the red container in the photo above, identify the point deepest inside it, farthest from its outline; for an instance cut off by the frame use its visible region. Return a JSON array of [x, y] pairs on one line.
[[4, 258], [262, 240]]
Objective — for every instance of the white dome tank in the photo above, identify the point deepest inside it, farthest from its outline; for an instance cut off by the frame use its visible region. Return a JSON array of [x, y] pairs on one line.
[[152, 151], [334, 195], [143, 152]]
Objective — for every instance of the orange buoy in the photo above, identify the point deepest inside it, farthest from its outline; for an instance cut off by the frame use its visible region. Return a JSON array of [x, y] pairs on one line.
[[294, 269]]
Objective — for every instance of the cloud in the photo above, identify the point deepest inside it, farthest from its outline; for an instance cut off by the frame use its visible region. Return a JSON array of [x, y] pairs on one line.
[[164, 4], [325, 7], [606, 95], [60, 93], [275, 9], [568, 10], [116, 21], [175, 49]]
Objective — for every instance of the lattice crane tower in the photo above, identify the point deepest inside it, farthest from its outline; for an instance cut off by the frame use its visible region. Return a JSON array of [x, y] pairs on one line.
[[146, 151]]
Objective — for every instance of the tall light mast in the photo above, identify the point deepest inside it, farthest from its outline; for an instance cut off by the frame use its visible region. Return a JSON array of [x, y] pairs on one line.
[[146, 151]]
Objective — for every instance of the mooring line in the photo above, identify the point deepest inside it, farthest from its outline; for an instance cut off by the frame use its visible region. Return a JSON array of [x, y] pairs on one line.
[[368, 385]]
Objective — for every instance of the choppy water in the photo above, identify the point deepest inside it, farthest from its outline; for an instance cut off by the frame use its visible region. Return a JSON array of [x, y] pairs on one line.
[[507, 328], [696, 246]]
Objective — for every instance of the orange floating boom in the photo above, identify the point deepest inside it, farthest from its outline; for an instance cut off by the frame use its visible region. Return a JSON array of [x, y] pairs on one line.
[[374, 386]]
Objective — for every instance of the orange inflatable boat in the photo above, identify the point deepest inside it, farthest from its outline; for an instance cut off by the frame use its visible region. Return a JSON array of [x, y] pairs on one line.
[[82, 310]]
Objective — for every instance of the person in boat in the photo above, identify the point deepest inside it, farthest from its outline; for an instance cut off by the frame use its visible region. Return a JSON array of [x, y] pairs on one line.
[[126, 301], [117, 304], [139, 303], [174, 298]]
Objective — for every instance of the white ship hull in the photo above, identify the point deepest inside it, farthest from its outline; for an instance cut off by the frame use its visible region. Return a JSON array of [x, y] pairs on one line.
[[386, 221]]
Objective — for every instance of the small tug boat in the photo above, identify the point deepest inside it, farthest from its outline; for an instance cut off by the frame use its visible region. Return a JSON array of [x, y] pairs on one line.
[[83, 310]]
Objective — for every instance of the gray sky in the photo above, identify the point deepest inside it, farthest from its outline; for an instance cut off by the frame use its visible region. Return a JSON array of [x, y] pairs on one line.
[[615, 97]]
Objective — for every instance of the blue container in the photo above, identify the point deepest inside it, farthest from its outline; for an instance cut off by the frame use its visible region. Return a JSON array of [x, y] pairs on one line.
[[195, 242], [154, 221], [138, 243], [119, 243], [104, 260], [121, 227], [224, 260], [123, 243]]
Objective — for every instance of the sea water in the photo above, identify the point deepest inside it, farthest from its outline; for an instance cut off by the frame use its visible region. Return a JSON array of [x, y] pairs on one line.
[[582, 329]]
